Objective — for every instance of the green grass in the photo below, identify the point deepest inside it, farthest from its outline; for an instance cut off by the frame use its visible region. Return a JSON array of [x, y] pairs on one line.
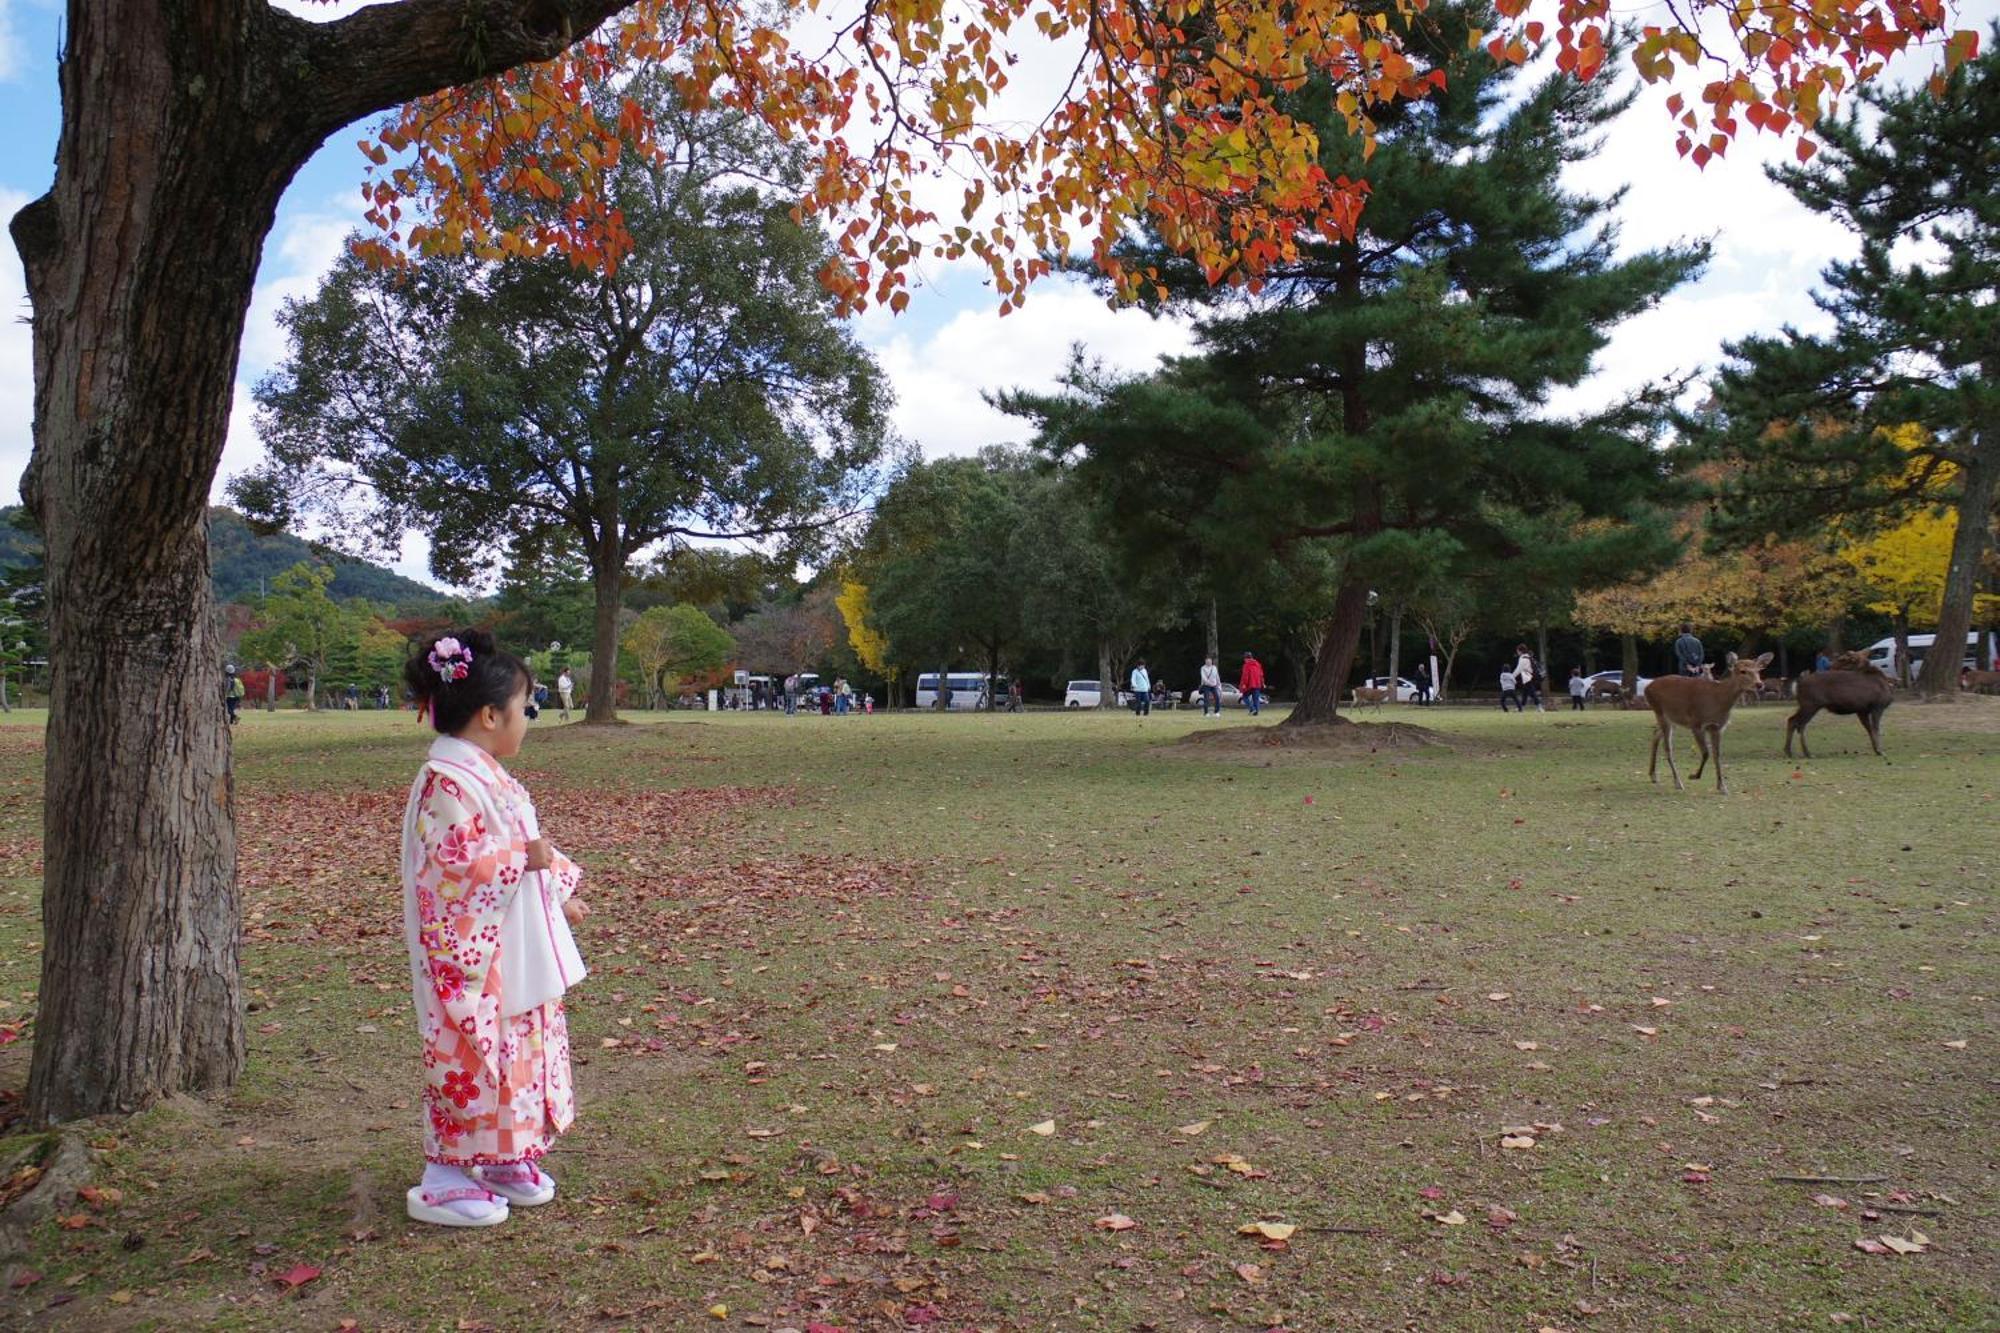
[[1051, 917]]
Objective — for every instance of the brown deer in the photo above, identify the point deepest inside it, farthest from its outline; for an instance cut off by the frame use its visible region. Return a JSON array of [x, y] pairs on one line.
[[1702, 705], [1374, 695], [1853, 687], [1979, 682]]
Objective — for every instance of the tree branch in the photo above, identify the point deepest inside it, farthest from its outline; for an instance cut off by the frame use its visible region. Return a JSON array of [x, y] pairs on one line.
[[385, 55]]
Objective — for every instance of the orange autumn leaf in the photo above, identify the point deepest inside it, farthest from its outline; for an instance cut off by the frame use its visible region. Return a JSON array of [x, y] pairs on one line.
[[1176, 116]]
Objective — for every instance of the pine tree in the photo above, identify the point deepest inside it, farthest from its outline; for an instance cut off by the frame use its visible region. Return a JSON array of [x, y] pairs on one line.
[[1813, 420], [1373, 414]]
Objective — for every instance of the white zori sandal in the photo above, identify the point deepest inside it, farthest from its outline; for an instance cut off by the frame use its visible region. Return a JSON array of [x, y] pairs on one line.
[[522, 1191], [434, 1206]]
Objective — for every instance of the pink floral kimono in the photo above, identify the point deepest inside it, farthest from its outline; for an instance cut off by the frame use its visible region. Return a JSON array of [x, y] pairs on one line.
[[490, 955]]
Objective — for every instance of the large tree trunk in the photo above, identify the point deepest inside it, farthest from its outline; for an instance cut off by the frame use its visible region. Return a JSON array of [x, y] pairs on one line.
[[1628, 663], [1107, 682], [1214, 641], [1395, 648], [182, 123], [1980, 479], [1319, 701], [607, 580]]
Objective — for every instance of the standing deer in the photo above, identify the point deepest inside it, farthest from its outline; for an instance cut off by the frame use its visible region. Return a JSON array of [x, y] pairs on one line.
[[1702, 705], [1853, 687]]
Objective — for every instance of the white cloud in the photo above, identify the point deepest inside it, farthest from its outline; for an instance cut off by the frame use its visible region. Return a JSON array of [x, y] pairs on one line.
[[17, 360], [12, 57], [939, 377]]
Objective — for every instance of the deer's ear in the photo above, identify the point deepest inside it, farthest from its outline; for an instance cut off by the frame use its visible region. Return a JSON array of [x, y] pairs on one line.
[[1730, 660], [1764, 660]]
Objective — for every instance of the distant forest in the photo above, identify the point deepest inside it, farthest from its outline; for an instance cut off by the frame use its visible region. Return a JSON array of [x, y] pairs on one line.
[[241, 560]]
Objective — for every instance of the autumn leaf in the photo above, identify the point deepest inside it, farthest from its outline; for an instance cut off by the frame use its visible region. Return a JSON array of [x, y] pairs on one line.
[[296, 1276], [1198, 1127], [1250, 1273], [1115, 1222], [1268, 1230], [1044, 1128]]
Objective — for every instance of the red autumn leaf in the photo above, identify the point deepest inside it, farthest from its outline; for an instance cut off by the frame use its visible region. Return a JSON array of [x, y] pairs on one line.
[[296, 1276]]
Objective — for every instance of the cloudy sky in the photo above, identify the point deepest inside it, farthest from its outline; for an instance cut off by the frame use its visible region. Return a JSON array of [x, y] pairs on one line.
[[949, 346]]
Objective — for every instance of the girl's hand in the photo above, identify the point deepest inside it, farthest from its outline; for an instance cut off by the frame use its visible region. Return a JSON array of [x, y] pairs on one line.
[[540, 855], [576, 909]]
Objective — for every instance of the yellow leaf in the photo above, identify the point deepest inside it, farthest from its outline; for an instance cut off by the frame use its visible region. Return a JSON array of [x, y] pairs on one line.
[[1115, 1222], [1454, 1218], [1268, 1230], [1518, 1141], [1198, 1127], [1045, 1128]]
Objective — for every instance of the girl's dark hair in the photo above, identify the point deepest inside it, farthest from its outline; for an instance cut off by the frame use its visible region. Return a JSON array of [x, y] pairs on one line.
[[492, 677]]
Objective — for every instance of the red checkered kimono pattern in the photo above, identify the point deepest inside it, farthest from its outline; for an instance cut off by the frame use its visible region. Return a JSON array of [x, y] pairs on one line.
[[496, 1082]]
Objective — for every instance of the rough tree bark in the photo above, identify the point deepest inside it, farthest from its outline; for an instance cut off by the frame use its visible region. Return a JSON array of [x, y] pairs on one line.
[[183, 121], [1980, 483], [607, 579], [1319, 701]]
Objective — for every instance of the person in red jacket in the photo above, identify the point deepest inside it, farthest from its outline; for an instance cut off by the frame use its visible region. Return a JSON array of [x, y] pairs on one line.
[[1251, 683]]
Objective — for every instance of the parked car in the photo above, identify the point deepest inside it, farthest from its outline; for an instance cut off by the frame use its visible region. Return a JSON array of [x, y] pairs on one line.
[[1231, 696], [1083, 694], [1616, 678], [1406, 689], [1882, 653]]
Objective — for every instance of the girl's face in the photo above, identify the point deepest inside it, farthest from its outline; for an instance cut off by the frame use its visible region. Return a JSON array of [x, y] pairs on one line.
[[500, 732]]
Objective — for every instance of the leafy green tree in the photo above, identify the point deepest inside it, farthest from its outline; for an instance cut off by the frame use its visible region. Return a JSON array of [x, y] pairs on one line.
[[670, 641], [1817, 422], [1382, 398], [705, 387], [304, 628], [946, 557]]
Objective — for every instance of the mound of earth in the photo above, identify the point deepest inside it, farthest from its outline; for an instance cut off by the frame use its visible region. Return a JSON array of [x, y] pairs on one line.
[[1339, 738]]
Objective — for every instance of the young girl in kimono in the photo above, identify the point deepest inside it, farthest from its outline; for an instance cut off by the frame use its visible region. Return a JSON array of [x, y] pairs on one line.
[[486, 911]]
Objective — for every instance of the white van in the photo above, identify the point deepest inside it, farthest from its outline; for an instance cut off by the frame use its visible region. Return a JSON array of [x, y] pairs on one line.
[[969, 689], [1882, 652], [1083, 694]]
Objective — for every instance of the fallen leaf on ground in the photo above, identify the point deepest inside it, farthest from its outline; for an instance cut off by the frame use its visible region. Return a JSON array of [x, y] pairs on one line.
[[1517, 1141], [1454, 1218], [1268, 1230], [1250, 1273], [297, 1276], [1198, 1127], [1115, 1222], [1045, 1128]]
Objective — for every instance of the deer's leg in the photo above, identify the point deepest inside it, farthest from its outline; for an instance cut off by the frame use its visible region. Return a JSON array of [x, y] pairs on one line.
[[1872, 721], [1653, 762], [1797, 723], [1667, 736], [1715, 744], [1700, 744]]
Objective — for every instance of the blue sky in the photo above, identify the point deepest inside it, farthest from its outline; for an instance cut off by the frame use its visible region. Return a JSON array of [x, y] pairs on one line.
[[949, 346]]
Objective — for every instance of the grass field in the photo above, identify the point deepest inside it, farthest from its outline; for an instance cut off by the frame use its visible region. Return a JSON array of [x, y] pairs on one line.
[[1017, 1022]]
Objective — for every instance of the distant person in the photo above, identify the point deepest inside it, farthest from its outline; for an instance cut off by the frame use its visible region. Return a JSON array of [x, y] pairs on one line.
[[1423, 683], [1211, 689], [353, 700], [1142, 690], [1527, 679], [1578, 687], [1507, 695], [843, 696], [232, 693], [1688, 653], [566, 689], [792, 695], [944, 693], [1822, 662], [1013, 696], [1251, 684], [382, 696]]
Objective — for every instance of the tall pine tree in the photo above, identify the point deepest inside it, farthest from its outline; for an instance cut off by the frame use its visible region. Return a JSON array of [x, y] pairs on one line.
[[1813, 420], [1375, 411]]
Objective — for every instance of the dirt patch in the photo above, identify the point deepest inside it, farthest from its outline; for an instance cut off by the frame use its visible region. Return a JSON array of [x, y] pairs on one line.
[[1338, 739]]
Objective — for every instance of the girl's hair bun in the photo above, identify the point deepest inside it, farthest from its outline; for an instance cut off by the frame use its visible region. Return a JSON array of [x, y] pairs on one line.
[[454, 675]]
